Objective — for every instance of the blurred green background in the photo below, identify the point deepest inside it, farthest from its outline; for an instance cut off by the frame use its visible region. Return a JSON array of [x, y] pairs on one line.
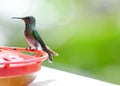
[[85, 33]]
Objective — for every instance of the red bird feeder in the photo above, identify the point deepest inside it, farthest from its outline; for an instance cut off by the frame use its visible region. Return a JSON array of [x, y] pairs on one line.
[[19, 65]]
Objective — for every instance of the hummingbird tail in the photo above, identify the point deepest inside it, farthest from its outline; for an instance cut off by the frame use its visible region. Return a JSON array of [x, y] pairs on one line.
[[46, 50], [52, 52]]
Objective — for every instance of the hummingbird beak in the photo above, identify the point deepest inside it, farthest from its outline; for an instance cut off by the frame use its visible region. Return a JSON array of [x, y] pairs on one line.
[[17, 18]]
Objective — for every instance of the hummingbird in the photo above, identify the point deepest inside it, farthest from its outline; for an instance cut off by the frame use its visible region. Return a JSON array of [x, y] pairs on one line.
[[33, 38]]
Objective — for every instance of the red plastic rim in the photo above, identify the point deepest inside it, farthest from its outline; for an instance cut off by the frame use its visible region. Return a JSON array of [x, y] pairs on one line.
[[14, 61]]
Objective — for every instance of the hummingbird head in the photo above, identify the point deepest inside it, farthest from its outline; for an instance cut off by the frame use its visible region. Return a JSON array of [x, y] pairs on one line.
[[27, 19]]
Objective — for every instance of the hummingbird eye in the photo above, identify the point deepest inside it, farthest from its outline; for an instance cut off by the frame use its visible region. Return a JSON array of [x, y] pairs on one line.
[[28, 18]]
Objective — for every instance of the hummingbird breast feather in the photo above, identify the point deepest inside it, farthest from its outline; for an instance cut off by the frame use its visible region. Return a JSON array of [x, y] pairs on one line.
[[31, 41]]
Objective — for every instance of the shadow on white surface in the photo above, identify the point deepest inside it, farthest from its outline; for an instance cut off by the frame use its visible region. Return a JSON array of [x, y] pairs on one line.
[[42, 83]]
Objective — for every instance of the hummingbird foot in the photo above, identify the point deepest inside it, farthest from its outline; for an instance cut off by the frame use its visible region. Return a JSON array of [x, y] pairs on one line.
[[30, 48]]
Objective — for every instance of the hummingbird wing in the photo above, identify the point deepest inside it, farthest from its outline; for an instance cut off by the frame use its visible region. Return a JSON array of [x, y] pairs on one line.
[[37, 37]]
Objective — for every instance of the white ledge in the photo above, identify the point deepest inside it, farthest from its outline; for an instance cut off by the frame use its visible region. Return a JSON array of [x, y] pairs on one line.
[[52, 77]]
